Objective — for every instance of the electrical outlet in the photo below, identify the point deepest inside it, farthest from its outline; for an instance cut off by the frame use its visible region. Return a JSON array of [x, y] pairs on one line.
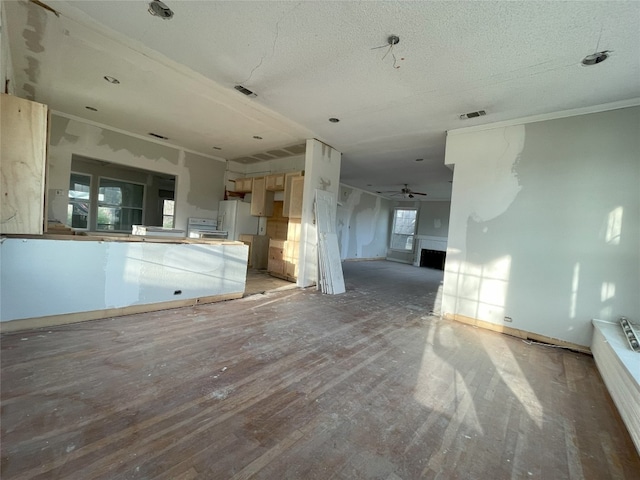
[[508, 319]]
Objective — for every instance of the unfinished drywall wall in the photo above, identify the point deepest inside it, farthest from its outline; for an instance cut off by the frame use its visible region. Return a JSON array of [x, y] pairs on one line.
[[362, 224], [322, 172], [433, 219], [199, 179], [70, 276], [545, 224]]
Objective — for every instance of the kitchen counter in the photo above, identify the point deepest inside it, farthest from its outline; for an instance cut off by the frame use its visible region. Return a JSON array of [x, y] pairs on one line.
[[55, 279]]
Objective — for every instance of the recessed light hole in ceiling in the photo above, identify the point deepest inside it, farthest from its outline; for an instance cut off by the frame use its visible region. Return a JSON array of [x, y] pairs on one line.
[[159, 9], [334, 120], [93, 109], [217, 148], [595, 58], [110, 79], [419, 159], [257, 137]]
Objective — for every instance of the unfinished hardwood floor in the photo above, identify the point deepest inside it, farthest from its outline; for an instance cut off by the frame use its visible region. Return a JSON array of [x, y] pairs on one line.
[[300, 385]]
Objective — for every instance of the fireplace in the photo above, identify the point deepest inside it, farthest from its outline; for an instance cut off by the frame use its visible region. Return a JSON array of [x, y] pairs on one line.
[[432, 259]]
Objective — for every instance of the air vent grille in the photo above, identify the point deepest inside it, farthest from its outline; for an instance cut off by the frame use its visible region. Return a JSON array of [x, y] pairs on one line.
[[245, 91], [479, 113]]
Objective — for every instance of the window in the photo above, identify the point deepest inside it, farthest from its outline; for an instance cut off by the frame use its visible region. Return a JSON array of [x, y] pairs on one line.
[[404, 228], [119, 205], [79, 200], [167, 212]]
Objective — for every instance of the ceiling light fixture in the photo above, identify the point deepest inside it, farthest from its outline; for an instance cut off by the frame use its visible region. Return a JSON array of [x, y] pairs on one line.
[[93, 109], [110, 79], [595, 58], [159, 9], [334, 120]]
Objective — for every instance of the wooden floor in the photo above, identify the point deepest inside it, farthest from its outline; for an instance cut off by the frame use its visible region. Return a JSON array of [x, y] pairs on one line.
[[300, 385]]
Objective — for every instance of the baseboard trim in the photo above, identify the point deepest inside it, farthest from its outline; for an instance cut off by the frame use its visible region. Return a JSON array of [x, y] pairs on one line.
[[67, 318], [515, 332], [358, 259]]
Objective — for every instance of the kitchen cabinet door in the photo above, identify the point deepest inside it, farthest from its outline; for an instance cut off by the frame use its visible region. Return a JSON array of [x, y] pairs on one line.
[[261, 199]]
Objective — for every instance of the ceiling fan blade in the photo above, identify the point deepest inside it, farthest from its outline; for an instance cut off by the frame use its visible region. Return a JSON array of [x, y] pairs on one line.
[[418, 193]]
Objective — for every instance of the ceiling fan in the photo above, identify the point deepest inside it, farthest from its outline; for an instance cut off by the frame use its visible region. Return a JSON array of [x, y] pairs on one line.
[[405, 192]]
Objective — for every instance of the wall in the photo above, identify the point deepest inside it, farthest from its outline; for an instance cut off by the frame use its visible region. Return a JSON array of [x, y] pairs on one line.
[[322, 172], [70, 276], [199, 179], [544, 224], [433, 219], [362, 224]]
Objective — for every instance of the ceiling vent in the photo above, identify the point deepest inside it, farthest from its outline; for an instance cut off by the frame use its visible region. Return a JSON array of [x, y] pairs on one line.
[[161, 137], [246, 91], [466, 116]]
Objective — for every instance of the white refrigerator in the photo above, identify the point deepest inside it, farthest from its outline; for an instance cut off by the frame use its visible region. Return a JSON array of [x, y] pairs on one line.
[[234, 216]]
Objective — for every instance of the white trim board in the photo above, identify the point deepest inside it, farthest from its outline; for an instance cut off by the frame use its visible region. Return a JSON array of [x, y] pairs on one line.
[[632, 102]]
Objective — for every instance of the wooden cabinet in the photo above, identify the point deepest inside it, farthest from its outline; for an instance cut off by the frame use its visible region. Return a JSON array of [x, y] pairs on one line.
[[295, 198], [275, 182], [244, 185], [258, 250], [23, 154], [261, 198], [284, 254], [275, 264], [291, 196]]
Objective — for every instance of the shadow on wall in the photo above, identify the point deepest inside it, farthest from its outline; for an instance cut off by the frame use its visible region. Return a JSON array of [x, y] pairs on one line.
[[564, 250]]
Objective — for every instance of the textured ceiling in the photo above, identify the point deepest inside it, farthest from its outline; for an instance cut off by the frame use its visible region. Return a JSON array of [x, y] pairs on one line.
[[309, 61]]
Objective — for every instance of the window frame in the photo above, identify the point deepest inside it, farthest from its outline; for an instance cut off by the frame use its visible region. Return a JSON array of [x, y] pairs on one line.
[[89, 201], [108, 205], [393, 228]]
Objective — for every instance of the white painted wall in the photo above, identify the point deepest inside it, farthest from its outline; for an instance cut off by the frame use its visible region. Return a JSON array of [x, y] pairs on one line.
[[362, 224], [199, 179], [51, 277], [545, 224], [322, 172], [433, 219]]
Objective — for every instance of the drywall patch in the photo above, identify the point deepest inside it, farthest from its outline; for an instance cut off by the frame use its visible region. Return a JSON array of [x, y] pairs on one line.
[[138, 148], [34, 32], [58, 131], [33, 69]]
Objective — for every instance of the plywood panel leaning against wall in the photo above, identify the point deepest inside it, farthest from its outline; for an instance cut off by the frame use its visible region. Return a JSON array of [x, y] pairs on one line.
[[23, 153]]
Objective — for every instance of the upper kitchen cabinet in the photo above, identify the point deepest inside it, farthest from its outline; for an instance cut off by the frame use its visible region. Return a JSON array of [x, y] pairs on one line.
[[23, 154], [244, 185], [261, 198], [275, 182]]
